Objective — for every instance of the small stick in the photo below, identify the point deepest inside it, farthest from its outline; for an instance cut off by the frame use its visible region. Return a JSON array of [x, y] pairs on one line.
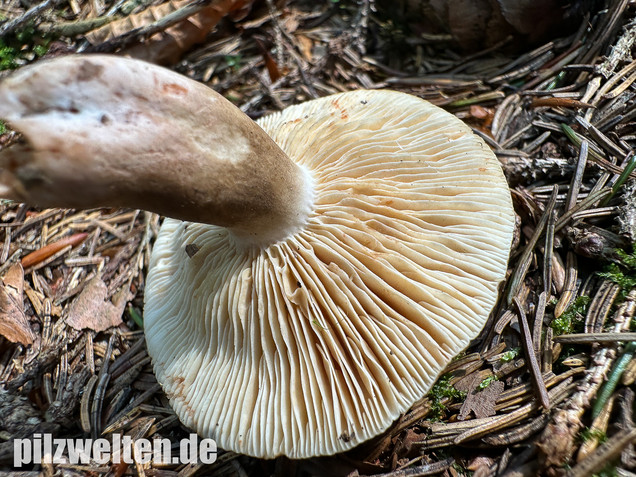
[[560, 102], [34, 12]]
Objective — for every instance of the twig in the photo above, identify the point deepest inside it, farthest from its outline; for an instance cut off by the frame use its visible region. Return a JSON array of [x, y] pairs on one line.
[[32, 13], [622, 50]]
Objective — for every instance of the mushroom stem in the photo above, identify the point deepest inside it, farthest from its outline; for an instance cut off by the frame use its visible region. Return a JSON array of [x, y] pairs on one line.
[[109, 131]]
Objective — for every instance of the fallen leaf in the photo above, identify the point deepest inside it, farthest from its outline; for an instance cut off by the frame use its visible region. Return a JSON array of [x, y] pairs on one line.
[[14, 324], [93, 310], [481, 402], [305, 45], [168, 46]]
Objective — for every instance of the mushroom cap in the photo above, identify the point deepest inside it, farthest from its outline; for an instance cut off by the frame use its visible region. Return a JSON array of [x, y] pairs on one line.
[[318, 342]]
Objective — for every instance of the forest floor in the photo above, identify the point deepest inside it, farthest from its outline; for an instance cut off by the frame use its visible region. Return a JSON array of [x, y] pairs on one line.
[[559, 115]]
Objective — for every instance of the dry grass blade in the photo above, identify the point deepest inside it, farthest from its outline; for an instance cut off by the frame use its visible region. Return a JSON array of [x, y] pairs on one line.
[[528, 347], [519, 433], [98, 398], [560, 102]]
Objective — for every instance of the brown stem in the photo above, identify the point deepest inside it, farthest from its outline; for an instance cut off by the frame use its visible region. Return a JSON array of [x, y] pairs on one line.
[[110, 131]]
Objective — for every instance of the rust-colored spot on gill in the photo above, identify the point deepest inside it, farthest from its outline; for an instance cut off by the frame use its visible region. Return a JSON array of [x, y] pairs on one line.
[[177, 393], [343, 112]]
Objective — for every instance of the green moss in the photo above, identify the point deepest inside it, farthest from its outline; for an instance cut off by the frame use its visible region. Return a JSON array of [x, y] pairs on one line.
[[8, 56], [608, 471], [233, 61], [40, 50], [510, 355], [22, 46], [461, 471], [458, 357], [442, 392], [628, 259], [571, 320], [136, 316], [487, 382], [623, 278], [596, 434], [622, 272]]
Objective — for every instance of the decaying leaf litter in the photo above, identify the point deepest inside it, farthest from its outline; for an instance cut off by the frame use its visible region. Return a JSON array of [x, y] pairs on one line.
[[546, 390]]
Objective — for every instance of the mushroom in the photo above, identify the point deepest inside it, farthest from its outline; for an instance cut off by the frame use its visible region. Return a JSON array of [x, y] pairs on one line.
[[306, 289]]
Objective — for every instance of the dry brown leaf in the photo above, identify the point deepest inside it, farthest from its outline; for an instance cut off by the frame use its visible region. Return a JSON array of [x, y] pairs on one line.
[[138, 20], [305, 45], [14, 324], [167, 47], [482, 402], [93, 310]]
